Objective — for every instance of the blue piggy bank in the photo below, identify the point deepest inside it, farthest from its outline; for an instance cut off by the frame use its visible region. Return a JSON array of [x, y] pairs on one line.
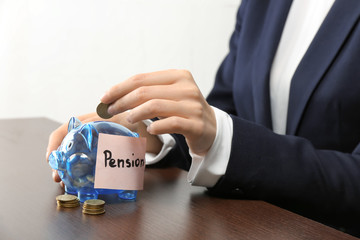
[[75, 159]]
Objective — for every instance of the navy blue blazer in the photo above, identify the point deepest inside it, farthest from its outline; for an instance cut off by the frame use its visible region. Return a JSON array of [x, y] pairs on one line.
[[314, 169]]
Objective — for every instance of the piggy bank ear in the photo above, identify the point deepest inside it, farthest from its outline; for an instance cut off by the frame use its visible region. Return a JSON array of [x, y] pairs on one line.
[[73, 123], [90, 135]]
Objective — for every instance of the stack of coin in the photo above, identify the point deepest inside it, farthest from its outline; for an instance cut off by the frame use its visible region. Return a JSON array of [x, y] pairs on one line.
[[67, 201], [94, 207]]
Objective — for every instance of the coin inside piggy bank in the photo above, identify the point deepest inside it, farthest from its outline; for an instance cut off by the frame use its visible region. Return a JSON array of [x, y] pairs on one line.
[[75, 159]]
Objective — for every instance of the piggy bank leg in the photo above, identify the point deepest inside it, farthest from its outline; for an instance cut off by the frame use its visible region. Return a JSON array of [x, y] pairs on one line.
[[70, 190], [87, 193], [128, 194]]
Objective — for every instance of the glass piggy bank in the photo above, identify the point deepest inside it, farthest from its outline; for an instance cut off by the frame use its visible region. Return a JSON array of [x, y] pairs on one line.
[[75, 159]]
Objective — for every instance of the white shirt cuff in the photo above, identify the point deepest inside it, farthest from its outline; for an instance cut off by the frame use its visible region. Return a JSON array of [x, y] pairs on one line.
[[207, 170], [168, 143]]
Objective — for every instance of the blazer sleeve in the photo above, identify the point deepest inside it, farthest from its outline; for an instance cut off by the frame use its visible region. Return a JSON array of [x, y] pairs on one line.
[[290, 172]]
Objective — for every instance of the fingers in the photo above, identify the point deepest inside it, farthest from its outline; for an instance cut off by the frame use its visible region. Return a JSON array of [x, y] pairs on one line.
[[171, 95], [167, 77], [172, 124], [161, 108], [199, 134], [189, 118], [146, 93], [55, 139], [176, 85], [55, 176]]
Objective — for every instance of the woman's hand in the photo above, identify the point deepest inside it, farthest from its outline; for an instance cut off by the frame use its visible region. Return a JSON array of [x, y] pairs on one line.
[[172, 96]]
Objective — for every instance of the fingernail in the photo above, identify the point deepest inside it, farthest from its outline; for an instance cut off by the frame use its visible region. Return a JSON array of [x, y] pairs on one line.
[[103, 98], [111, 110], [129, 119], [148, 129]]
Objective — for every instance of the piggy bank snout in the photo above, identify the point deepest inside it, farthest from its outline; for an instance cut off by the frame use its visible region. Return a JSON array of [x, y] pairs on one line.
[[56, 160]]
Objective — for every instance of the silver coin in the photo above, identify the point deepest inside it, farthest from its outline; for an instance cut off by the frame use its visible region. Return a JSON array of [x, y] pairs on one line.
[[102, 111]]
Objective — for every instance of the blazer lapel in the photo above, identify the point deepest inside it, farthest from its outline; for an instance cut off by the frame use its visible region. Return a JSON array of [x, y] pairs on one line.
[[323, 49], [268, 42]]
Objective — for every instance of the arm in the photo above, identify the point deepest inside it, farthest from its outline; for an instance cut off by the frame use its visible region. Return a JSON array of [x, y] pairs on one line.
[[290, 172]]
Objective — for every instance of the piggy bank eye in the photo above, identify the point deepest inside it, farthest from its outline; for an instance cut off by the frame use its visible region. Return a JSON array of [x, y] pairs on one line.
[[69, 146]]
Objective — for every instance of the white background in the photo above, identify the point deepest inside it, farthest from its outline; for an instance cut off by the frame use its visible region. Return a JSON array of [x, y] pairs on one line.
[[58, 57]]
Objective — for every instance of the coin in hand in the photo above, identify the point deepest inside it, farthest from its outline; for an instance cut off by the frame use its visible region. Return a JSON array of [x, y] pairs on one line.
[[102, 111]]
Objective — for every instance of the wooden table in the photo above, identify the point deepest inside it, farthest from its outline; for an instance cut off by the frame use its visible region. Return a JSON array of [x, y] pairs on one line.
[[167, 208]]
